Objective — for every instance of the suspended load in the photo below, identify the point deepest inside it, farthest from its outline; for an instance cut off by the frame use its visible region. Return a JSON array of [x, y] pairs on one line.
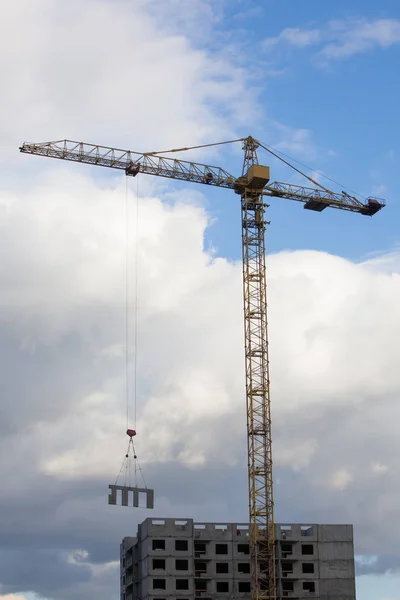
[[128, 493]]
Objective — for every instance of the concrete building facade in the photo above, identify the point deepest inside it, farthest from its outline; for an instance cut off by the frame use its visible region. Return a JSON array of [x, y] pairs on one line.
[[179, 559]]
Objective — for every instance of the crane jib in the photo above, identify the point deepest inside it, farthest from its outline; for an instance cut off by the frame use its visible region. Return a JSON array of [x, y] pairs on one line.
[[135, 162]]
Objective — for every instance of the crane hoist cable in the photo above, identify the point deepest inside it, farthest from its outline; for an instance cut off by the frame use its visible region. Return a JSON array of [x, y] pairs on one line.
[[131, 390], [135, 360], [127, 321], [131, 393]]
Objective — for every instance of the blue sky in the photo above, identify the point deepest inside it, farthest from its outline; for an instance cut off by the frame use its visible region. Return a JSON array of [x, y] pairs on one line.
[[319, 82], [345, 108], [336, 112]]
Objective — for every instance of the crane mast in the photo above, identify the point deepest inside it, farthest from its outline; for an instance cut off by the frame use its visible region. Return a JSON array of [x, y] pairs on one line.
[[252, 186], [258, 402]]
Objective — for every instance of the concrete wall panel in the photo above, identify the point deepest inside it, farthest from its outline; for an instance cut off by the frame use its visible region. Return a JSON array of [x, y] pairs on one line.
[[335, 533], [336, 550], [334, 569]]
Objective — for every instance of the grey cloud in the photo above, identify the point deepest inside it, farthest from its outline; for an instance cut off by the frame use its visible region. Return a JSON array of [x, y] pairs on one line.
[[45, 571], [40, 384], [380, 565], [344, 421]]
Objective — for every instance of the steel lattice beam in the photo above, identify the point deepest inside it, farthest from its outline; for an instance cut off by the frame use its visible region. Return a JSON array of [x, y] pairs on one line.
[[258, 402], [161, 166]]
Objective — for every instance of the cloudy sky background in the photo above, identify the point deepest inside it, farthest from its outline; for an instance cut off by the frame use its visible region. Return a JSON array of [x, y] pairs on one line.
[[318, 83]]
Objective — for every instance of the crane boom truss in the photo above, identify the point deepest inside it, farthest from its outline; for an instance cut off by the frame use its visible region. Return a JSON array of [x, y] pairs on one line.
[[161, 166], [150, 164], [258, 404]]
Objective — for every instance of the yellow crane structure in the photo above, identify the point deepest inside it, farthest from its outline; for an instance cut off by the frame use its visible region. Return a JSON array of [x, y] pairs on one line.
[[253, 186]]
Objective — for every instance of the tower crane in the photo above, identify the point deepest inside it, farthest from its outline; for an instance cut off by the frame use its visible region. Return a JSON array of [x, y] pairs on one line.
[[253, 186]]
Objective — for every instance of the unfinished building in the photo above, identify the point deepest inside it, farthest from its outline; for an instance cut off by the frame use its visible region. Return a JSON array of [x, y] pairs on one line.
[[179, 559]]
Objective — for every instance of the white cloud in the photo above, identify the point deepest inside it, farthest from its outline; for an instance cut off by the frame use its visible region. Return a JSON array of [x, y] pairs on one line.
[[83, 280], [296, 455], [333, 333], [378, 467], [341, 39], [137, 75], [190, 325], [341, 479], [359, 36], [294, 36], [120, 76], [324, 310], [298, 142]]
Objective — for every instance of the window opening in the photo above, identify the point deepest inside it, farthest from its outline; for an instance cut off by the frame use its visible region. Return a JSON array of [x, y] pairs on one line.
[[200, 586], [287, 586], [158, 544], [309, 586], [158, 563], [200, 567], [158, 584], [243, 548], [181, 545]]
